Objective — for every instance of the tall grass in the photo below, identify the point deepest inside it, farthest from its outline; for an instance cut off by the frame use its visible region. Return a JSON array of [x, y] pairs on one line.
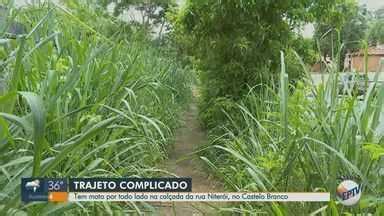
[[83, 97], [303, 140]]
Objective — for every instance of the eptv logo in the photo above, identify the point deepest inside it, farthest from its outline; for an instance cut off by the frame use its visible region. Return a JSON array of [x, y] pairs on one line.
[[348, 192]]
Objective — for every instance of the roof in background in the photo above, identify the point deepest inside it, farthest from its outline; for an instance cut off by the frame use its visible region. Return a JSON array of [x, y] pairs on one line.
[[379, 51]]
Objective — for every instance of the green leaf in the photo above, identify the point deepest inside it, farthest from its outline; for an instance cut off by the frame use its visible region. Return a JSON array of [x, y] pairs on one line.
[[36, 104], [375, 150], [333, 208], [17, 161], [7, 102], [16, 77], [78, 143], [4, 133]]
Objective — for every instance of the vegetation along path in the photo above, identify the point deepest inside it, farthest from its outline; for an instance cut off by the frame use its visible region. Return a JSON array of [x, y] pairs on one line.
[[184, 163]]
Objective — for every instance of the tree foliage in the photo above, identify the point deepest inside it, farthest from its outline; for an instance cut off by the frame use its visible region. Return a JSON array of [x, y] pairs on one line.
[[328, 35], [236, 44], [152, 12], [376, 31]]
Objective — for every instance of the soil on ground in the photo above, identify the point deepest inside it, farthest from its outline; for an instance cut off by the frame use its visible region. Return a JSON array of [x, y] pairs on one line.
[[184, 163]]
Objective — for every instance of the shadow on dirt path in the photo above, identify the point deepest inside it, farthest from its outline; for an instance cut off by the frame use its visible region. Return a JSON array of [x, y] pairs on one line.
[[185, 164]]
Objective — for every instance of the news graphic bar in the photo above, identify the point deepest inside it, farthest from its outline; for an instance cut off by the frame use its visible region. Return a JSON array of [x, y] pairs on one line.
[[144, 190], [199, 197], [58, 189]]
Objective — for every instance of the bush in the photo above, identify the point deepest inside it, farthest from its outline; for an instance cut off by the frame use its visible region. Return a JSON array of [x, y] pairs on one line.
[[78, 103], [314, 137]]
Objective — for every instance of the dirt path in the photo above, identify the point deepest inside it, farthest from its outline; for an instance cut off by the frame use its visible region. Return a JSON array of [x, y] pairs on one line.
[[184, 164]]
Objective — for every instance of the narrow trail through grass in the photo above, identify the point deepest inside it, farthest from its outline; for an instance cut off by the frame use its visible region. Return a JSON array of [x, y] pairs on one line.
[[182, 162]]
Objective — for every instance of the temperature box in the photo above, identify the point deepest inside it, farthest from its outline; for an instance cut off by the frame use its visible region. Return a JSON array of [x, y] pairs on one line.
[[44, 189]]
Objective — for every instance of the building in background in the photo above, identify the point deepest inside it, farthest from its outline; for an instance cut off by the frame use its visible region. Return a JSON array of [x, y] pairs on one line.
[[355, 61]]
